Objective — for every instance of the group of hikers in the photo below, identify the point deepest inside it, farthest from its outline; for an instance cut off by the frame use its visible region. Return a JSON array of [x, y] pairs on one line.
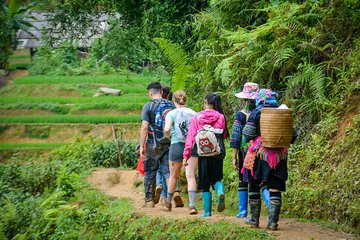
[[173, 135]]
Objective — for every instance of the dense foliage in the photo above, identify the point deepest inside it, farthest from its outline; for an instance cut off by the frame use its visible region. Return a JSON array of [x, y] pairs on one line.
[[12, 18], [51, 200], [308, 50], [302, 51]]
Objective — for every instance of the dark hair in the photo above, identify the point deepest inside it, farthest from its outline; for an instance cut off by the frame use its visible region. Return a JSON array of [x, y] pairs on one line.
[[214, 100], [166, 93], [170, 96], [154, 85]]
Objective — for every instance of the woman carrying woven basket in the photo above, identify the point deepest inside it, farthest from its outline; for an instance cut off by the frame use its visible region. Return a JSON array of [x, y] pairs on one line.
[[238, 145], [208, 130], [266, 166]]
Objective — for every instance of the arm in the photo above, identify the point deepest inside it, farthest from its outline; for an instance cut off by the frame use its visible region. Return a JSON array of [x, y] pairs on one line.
[[143, 134], [235, 160], [167, 127], [236, 134]]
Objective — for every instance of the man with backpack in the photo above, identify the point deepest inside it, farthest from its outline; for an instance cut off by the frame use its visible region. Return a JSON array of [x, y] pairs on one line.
[[153, 143]]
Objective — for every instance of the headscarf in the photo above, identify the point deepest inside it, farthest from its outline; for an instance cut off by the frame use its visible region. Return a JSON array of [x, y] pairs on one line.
[[266, 98]]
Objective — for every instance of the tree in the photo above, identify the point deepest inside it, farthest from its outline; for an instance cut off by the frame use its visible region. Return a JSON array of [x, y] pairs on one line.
[[12, 18]]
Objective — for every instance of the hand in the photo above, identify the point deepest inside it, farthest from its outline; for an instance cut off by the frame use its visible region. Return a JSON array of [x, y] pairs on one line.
[[235, 163], [185, 163], [142, 151]]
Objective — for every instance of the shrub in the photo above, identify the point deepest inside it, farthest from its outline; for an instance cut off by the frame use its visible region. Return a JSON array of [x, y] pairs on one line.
[[58, 61], [36, 131]]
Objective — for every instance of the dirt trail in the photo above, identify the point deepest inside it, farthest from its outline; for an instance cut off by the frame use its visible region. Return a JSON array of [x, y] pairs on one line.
[[119, 183]]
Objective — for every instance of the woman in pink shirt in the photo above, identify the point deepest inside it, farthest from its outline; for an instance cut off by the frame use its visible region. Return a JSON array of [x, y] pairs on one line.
[[210, 168]]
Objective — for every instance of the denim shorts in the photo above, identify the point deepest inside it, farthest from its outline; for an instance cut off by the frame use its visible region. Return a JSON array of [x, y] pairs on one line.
[[176, 152]]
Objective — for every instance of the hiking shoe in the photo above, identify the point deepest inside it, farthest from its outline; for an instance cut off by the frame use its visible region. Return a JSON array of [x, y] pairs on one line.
[[193, 210], [167, 206], [149, 204], [177, 199], [162, 201], [158, 191]]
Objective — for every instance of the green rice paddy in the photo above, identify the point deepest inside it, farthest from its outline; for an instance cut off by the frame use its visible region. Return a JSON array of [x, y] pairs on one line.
[[70, 119], [99, 79], [68, 100], [76, 100]]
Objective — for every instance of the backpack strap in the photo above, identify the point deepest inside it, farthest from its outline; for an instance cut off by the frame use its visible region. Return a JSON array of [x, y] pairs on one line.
[[153, 107]]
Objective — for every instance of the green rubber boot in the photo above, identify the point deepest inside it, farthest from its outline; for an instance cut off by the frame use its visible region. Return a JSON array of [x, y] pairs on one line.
[[219, 189]]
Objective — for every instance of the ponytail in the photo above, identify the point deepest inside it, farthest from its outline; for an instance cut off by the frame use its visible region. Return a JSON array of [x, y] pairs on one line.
[[214, 100]]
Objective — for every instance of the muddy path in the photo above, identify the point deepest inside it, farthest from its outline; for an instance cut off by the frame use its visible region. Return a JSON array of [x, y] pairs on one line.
[[120, 183]]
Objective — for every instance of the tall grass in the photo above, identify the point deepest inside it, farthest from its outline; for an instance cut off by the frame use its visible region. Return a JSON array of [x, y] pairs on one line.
[[70, 119], [101, 79], [76, 100]]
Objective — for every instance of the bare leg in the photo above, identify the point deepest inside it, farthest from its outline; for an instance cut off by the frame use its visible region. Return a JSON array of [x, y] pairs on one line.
[[175, 168], [190, 171]]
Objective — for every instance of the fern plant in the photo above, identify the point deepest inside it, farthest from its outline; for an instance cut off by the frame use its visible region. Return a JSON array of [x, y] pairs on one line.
[[309, 77], [179, 62]]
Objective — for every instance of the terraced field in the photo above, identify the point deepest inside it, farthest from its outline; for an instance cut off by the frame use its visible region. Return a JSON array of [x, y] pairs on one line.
[[43, 112]]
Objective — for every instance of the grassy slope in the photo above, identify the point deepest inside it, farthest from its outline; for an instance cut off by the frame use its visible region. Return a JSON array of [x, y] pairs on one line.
[[76, 100], [99, 79], [68, 100]]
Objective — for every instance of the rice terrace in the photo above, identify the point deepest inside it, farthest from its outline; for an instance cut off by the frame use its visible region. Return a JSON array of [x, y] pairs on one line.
[[50, 111], [95, 142]]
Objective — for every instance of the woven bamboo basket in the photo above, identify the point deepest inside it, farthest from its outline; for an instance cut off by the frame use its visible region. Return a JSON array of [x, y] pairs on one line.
[[276, 127]]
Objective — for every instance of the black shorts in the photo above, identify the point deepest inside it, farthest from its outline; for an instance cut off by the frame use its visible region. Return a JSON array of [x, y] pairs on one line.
[[210, 171]]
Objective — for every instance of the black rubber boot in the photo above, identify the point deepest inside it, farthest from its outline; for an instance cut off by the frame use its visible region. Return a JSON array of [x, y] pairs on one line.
[[255, 207], [274, 212]]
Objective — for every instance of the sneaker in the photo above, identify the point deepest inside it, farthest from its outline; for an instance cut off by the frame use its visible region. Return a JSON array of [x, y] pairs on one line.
[[162, 201], [177, 199], [193, 210], [167, 206], [149, 204], [158, 191]]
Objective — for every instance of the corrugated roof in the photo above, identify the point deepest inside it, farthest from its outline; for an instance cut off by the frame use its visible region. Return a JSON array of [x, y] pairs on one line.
[[35, 39]]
